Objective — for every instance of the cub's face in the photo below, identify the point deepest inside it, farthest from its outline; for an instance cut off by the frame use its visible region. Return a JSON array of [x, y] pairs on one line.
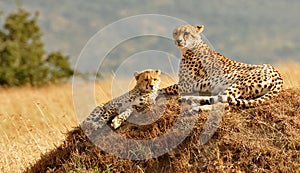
[[185, 36], [148, 80]]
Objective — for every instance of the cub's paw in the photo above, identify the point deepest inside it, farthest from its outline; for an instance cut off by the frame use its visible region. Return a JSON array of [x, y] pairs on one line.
[[116, 123]]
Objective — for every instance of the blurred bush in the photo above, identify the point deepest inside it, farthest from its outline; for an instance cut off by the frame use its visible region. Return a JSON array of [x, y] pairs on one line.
[[23, 59]]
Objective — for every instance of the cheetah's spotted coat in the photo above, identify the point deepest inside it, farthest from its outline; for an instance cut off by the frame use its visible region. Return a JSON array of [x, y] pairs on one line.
[[205, 71]]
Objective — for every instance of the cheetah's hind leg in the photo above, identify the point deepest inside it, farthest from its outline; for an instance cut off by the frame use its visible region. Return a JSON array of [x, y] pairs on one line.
[[94, 121]]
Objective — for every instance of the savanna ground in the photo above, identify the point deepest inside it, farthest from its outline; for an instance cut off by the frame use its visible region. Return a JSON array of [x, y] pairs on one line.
[[35, 121]]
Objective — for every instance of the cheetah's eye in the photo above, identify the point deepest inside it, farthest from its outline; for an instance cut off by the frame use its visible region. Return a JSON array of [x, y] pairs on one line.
[[185, 34], [146, 80], [154, 79]]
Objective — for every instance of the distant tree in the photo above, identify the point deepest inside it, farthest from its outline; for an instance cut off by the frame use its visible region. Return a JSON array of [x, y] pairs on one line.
[[23, 59]]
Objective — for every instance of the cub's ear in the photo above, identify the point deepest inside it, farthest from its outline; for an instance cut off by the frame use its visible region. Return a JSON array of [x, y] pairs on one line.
[[158, 72], [200, 28], [136, 75]]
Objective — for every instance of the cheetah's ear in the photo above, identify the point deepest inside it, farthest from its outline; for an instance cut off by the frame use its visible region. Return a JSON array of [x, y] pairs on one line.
[[136, 75], [200, 28], [158, 72]]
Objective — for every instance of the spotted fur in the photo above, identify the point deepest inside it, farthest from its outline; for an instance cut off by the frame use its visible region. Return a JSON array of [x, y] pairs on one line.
[[207, 72], [139, 99]]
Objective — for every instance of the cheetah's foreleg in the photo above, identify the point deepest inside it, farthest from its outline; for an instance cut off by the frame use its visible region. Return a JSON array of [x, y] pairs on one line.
[[197, 103], [122, 117]]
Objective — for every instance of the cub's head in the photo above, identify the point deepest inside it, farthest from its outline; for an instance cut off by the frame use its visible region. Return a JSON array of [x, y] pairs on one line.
[[147, 80], [187, 35]]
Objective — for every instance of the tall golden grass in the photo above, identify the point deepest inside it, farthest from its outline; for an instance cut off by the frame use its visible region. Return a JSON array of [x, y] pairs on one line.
[[34, 120], [290, 73]]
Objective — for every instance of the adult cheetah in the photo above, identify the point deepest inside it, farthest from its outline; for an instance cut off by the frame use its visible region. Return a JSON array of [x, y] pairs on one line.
[[204, 71], [139, 99]]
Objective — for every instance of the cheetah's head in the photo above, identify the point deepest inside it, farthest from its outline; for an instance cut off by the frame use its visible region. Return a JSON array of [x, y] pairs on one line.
[[186, 36], [147, 80]]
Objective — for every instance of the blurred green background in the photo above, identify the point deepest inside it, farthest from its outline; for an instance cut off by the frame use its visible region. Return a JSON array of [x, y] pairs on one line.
[[265, 31]]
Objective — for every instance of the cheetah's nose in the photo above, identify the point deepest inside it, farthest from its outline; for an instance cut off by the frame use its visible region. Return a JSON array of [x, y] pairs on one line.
[[178, 41], [151, 86]]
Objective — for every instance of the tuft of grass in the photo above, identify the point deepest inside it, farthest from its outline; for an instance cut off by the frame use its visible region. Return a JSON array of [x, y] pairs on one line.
[[290, 73]]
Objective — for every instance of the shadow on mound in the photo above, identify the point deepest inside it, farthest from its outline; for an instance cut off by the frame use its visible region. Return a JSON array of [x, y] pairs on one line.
[[265, 139]]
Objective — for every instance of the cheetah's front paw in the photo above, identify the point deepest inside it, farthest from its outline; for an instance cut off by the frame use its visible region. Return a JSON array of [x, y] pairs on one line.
[[116, 123]]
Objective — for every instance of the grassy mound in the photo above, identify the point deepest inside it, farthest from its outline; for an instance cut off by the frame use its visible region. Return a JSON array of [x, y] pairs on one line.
[[263, 139]]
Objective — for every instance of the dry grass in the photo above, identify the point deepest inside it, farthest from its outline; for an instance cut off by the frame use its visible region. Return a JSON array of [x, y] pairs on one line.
[[290, 73], [34, 120]]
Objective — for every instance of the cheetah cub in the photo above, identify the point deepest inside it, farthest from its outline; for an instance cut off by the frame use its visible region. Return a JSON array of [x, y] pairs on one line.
[[139, 99]]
